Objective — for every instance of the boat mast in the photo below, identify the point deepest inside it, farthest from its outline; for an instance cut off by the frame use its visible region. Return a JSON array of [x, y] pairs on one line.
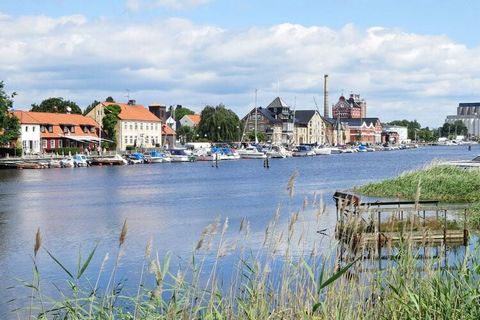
[[256, 117]]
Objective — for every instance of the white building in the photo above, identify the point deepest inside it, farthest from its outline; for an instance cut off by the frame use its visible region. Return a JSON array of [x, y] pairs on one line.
[[136, 127], [190, 120], [29, 133], [402, 132], [469, 114]]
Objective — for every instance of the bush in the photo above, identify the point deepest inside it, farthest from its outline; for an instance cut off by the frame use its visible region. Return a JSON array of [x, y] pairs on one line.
[[12, 152]]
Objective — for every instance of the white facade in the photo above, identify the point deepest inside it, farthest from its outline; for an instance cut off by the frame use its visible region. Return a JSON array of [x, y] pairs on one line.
[[142, 134], [472, 122], [30, 137], [171, 123], [402, 132]]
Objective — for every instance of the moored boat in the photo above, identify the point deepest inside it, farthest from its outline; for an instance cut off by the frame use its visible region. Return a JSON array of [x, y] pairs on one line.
[[251, 152]]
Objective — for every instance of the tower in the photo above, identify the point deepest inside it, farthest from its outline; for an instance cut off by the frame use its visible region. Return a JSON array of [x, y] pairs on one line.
[[326, 114]]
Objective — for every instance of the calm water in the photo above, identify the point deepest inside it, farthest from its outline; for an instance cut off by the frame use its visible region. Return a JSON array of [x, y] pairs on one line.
[[172, 203]]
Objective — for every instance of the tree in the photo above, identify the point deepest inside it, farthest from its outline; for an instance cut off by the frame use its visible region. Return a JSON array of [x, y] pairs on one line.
[[186, 134], [219, 124], [180, 112], [451, 130], [109, 99], [110, 121], [90, 107], [260, 136], [9, 124], [412, 126], [56, 105]]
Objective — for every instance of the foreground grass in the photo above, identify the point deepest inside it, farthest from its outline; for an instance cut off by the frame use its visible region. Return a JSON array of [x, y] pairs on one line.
[[280, 281], [438, 182]]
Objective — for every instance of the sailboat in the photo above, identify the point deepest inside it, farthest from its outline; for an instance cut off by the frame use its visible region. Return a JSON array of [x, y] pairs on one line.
[[251, 152]]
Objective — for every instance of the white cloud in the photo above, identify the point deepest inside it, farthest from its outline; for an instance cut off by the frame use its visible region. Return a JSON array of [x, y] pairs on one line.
[[402, 75]]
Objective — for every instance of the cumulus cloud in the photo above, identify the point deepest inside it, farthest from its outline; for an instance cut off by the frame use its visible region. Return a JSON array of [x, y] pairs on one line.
[[402, 75]]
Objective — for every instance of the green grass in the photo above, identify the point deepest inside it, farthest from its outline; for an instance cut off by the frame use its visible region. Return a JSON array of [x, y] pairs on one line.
[[307, 285], [442, 183]]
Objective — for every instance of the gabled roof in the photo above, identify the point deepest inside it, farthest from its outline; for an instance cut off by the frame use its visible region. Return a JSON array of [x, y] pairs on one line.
[[304, 116], [166, 130], [194, 118], [356, 122], [29, 117], [277, 103], [133, 112], [270, 116]]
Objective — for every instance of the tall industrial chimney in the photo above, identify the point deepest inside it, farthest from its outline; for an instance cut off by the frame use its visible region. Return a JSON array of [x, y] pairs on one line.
[[326, 114]]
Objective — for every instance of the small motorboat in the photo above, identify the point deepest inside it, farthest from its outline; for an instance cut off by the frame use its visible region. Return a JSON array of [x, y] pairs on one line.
[[182, 155], [135, 158], [303, 151], [251, 152], [80, 160], [157, 157]]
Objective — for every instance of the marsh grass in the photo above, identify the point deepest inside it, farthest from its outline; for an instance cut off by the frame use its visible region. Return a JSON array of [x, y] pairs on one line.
[[287, 278]]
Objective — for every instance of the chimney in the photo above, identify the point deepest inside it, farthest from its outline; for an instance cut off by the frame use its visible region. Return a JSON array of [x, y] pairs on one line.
[[131, 102], [326, 114]]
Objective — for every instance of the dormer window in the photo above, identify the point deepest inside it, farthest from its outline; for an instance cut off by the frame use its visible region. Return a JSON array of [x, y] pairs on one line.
[[72, 129], [85, 129], [42, 129], [65, 129], [50, 129]]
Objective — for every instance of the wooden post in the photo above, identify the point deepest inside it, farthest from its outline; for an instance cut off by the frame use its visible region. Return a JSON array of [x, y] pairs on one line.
[[445, 236], [379, 244], [465, 230]]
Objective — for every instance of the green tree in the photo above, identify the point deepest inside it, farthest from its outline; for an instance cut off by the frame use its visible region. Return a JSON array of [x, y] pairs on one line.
[[56, 105], [110, 121], [90, 107], [109, 99], [451, 130], [412, 126], [179, 113], [9, 124], [219, 124], [186, 134], [260, 136]]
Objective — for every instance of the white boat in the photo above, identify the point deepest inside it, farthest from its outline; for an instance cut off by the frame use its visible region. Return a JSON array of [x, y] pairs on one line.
[[182, 155], [277, 152], [335, 150], [322, 151], [80, 160], [157, 157], [303, 151], [251, 152], [203, 154], [67, 162]]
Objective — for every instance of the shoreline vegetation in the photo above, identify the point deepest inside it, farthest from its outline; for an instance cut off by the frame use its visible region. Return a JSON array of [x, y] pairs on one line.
[[444, 183], [287, 278]]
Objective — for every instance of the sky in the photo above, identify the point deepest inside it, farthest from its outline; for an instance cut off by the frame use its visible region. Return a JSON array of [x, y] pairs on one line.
[[408, 59]]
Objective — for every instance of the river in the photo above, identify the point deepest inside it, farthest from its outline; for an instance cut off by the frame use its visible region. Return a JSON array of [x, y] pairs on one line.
[[171, 203]]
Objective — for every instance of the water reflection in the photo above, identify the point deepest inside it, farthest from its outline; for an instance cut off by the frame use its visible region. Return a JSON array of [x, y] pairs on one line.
[[172, 203]]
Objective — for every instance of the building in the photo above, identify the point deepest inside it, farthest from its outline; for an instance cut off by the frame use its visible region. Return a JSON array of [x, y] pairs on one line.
[[159, 110], [49, 132], [469, 114], [169, 136], [136, 126], [364, 130], [354, 107], [336, 132], [395, 134], [310, 128], [276, 122], [282, 112], [265, 123], [190, 120]]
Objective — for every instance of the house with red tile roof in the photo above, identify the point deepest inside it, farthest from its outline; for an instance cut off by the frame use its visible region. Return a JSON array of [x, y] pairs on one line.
[[136, 126], [48, 132], [169, 136], [190, 120]]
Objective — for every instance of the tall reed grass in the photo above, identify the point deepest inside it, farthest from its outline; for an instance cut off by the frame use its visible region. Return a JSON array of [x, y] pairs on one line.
[[287, 278]]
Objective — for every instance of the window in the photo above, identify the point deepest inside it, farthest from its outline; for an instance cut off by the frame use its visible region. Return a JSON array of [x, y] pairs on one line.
[[24, 144], [136, 126], [125, 126], [131, 139], [92, 129], [60, 143], [141, 125], [65, 129], [131, 126], [156, 127], [33, 129], [72, 129], [126, 139], [85, 129], [147, 139], [26, 128], [52, 144], [50, 129], [42, 129], [44, 144]]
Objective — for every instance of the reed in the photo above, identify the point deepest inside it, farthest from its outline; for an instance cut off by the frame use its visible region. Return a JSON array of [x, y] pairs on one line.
[[287, 278]]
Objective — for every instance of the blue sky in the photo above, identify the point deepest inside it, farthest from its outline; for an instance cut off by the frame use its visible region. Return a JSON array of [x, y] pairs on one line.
[[409, 59]]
